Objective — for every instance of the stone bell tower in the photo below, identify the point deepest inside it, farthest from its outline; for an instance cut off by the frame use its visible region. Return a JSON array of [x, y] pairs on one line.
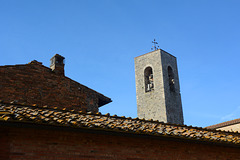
[[157, 87]]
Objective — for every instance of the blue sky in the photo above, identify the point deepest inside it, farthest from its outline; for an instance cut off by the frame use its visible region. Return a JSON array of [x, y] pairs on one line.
[[100, 39]]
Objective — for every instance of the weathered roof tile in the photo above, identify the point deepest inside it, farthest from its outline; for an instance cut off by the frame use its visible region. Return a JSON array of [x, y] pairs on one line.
[[44, 115]]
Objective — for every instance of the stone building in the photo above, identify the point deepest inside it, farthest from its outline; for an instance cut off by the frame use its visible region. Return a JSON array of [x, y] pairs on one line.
[[36, 126], [157, 87]]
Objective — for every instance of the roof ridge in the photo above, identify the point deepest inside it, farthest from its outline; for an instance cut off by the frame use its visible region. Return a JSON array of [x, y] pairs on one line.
[[223, 124]]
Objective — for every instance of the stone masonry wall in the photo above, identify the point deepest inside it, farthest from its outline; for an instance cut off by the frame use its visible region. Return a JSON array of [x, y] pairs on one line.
[[36, 84], [41, 144], [150, 105], [173, 99], [159, 104]]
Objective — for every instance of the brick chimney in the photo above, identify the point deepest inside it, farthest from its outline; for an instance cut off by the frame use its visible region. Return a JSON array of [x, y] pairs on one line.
[[57, 64]]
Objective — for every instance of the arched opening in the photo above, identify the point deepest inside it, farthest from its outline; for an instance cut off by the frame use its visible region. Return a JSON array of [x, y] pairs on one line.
[[171, 79], [148, 76]]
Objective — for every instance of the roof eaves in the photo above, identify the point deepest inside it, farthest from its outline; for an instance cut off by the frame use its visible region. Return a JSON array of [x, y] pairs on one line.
[[66, 118]]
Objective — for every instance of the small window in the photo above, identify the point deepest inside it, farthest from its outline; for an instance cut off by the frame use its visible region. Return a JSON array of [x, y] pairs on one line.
[[148, 76], [171, 79]]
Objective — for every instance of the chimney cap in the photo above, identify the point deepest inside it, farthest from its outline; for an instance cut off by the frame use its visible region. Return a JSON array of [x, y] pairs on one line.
[[58, 55], [57, 59]]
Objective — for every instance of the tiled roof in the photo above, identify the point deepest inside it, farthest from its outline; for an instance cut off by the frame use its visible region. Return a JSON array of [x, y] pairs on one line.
[[224, 124], [38, 65], [44, 115]]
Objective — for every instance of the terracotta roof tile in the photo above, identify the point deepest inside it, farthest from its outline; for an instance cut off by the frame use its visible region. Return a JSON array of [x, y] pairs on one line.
[[223, 124], [33, 114]]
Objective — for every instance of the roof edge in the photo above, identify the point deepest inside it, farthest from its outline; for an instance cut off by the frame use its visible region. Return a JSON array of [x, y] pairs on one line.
[[223, 124]]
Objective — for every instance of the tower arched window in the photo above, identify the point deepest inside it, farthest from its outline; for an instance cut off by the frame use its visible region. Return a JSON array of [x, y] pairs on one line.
[[171, 79], [148, 76]]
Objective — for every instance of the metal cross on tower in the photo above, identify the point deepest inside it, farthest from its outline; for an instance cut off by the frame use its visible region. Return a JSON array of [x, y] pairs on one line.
[[155, 46]]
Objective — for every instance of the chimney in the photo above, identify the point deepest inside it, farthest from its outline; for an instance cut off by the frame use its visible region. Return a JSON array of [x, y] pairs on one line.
[[57, 64]]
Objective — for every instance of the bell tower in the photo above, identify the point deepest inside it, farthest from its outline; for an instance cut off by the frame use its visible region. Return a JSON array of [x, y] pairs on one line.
[[157, 87]]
